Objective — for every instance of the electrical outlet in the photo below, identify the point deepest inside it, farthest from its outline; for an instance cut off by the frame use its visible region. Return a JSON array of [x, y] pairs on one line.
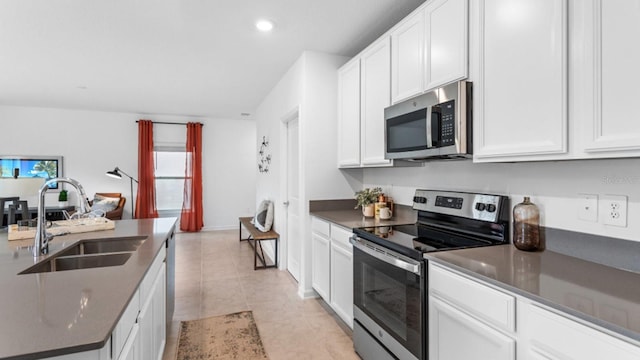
[[614, 210], [588, 207]]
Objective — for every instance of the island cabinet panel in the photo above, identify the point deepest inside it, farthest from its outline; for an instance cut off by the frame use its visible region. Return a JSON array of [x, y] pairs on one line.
[[132, 349], [520, 93], [152, 314]]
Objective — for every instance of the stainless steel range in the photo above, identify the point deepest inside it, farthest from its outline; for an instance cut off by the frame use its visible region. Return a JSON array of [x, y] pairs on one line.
[[390, 280]]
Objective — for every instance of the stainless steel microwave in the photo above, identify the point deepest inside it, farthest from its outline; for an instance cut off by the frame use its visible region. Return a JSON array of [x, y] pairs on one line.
[[434, 125]]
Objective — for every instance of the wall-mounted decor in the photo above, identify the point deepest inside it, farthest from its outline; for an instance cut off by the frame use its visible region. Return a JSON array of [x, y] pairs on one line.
[[265, 159], [47, 167]]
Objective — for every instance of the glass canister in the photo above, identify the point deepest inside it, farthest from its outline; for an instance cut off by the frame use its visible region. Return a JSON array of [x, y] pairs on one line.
[[526, 226]]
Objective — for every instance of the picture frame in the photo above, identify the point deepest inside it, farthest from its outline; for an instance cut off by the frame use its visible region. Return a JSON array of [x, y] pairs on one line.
[[29, 166]]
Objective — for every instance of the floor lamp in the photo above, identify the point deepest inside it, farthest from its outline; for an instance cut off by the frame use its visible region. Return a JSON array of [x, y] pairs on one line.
[[115, 173]]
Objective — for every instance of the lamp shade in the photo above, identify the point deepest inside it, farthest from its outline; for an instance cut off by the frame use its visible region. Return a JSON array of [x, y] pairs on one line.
[[115, 173]]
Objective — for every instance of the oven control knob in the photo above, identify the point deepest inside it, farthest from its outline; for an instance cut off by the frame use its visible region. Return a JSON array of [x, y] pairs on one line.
[[419, 199], [480, 206], [491, 208]]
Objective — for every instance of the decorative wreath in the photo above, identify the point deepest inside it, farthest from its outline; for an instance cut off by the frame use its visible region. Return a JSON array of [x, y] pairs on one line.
[[265, 159]]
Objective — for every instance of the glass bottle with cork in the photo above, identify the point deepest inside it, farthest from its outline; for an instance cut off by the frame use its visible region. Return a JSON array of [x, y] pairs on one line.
[[526, 226]]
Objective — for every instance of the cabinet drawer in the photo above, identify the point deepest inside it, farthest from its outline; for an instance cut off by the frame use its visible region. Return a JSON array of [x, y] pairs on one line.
[[557, 337], [340, 236], [488, 304], [320, 227]]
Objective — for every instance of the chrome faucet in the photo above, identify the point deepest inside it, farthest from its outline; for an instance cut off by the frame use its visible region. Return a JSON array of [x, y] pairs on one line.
[[41, 245]]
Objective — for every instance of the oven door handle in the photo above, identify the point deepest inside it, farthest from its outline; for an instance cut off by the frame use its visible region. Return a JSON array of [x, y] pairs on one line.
[[383, 254]]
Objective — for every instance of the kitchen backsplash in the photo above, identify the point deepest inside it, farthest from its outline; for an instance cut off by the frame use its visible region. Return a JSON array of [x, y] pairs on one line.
[[553, 186]]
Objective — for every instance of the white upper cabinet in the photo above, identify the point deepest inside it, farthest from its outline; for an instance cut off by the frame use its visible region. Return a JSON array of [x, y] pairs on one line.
[[520, 93], [349, 114], [429, 48], [407, 58], [446, 57], [610, 103], [364, 90], [375, 96]]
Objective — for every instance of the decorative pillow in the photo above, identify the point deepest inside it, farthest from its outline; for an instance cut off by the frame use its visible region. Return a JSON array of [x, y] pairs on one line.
[[104, 203], [264, 216]]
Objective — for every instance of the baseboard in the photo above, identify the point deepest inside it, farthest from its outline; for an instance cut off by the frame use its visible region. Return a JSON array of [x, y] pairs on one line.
[[307, 294]]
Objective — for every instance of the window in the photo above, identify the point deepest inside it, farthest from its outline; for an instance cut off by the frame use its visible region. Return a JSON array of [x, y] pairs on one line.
[[169, 178]]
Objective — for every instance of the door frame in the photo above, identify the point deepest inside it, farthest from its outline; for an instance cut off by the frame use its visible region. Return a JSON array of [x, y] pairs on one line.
[[285, 119]]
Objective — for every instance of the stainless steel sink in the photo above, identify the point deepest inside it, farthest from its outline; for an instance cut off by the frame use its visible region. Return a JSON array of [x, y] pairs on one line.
[[105, 245], [90, 253], [78, 262]]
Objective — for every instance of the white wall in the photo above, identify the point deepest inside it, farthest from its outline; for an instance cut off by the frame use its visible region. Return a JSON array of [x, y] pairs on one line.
[[554, 186], [93, 142], [310, 86]]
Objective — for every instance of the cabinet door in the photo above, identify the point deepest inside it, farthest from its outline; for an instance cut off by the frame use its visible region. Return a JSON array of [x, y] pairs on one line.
[[616, 74], [447, 42], [342, 282], [407, 58], [521, 89], [375, 96], [152, 320], [131, 349], [320, 265], [349, 114], [453, 335], [159, 315]]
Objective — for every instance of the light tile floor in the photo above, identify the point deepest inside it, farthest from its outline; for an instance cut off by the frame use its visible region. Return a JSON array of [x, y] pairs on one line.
[[215, 276]]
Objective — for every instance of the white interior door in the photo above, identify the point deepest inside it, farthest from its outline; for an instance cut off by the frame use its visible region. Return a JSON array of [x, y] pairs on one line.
[[294, 240]]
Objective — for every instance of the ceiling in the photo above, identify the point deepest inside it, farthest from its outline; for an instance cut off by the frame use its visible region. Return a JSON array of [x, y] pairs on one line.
[[200, 58]]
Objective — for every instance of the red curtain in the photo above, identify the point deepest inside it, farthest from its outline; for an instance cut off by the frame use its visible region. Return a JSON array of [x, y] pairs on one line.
[[192, 216], [146, 199]]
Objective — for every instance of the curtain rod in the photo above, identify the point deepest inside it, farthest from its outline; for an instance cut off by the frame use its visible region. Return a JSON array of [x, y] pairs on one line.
[[168, 123]]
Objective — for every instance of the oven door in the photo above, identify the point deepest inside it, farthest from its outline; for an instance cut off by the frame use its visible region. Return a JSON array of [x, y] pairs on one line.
[[389, 298]]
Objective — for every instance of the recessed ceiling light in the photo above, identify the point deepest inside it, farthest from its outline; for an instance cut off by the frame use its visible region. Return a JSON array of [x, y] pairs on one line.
[[264, 25]]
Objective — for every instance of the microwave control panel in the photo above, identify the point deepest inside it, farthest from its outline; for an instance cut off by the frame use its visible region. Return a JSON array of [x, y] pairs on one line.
[[447, 121]]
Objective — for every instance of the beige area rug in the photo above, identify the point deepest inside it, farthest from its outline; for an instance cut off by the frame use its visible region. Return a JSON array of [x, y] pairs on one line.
[[232, 336]]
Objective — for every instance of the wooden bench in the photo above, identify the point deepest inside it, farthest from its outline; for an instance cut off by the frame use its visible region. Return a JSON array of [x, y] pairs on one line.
[[257, 237]]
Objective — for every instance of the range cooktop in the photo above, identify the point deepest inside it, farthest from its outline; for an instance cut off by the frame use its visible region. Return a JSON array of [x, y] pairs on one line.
[[446, 221]]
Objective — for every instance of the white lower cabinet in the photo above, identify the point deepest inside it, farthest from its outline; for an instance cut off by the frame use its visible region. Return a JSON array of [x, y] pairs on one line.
[[545, 334], [152, 320], [470, 319], [449, 328], [132, 348], [463, 311], [342, 274], [332, 267]]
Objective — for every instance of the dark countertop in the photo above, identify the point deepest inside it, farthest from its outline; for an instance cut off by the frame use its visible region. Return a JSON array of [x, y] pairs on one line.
[[594, 278], [599, 294], [50, 314], [342, 212]]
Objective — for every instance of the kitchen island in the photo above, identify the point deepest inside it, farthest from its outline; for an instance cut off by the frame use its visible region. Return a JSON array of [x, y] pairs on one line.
[[64, 312]]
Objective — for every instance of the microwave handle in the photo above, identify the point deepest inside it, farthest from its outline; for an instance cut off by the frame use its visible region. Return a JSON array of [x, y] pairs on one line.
[[429, 133]]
